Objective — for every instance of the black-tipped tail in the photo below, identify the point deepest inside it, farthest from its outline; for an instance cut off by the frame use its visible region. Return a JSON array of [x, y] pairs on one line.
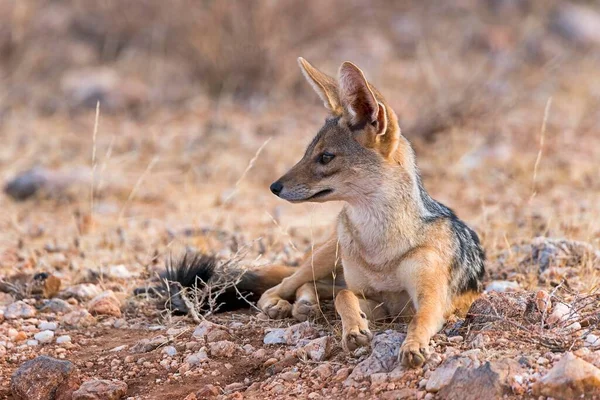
[[200, 280]]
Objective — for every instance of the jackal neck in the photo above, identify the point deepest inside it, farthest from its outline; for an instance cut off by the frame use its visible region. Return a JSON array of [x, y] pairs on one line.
[[387, 221]]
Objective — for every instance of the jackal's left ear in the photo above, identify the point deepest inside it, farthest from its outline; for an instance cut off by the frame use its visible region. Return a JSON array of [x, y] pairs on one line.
[[356, 96]]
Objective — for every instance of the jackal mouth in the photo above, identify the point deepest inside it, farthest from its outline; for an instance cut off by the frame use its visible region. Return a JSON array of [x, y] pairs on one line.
[[321, 193]]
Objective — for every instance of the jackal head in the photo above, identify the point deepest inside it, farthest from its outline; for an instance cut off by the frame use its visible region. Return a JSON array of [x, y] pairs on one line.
[[357, 148]]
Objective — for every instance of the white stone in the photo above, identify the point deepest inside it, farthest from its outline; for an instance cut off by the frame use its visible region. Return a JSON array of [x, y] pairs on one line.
[[502, 286], [592, 340], [63, 339], [48, 326], [44, 336]]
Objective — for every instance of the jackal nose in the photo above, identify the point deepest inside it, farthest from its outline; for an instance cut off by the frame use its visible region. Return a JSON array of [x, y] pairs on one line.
[[276, 188]]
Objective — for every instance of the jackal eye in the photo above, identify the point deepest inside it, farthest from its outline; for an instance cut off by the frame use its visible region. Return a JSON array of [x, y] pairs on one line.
[[325, 158]]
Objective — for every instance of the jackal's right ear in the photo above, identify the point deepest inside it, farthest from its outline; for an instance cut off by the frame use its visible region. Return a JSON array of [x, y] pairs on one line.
[[325, 86]]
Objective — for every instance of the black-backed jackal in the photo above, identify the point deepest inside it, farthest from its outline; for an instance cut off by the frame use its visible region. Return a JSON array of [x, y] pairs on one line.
[[395, 251]]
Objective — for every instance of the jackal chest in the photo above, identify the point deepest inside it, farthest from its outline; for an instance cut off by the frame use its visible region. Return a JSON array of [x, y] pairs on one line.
[[373, 279], [372, 261]]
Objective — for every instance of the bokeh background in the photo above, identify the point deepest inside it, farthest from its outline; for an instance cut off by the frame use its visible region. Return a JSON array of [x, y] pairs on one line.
[[130, 130], [201, 106]]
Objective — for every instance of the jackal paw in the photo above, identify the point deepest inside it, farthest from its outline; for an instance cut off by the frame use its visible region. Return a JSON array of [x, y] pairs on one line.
[[356, 337], [303, 310], [413, 353], [275, 307]]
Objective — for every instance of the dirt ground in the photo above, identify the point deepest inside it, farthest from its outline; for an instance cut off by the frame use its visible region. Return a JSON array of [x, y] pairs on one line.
[[504, 118]]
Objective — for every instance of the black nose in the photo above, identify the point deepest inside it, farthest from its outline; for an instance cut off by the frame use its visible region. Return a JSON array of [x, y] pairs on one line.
[[276, 188]]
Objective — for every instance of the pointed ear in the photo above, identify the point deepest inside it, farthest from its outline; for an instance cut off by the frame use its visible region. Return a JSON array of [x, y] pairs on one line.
[[356, 96], [325, 86]]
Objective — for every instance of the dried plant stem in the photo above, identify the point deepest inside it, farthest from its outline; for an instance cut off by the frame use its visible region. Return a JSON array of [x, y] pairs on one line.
[[94, 136], [539, 155]]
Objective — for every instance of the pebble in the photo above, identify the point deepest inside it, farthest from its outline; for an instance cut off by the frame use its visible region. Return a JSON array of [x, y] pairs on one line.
[[502, 286], [222, 348], [58, 306], [44, 336], [542, 361], [79, 319], [19, 309], [63, 339], [106, 303], [83, 291], [48, 326], [170, 351], [592, 340]]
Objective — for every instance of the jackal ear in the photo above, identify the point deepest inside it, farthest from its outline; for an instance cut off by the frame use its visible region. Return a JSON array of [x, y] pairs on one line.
[[325, 86], [356, 96]]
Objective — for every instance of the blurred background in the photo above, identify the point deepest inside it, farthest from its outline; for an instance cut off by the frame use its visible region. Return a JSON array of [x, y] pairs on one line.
[[202, 106], [132, 130]]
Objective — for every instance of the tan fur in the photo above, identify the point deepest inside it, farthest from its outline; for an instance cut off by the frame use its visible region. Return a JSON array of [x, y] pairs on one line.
[[394, 264]]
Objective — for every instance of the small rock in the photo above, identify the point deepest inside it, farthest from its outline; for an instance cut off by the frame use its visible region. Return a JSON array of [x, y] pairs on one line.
[[100, 389], [58, 306], [443, 374], [478, 341], [170, 351], [383, 358], [106, 303], [275, 336], [502, 286], [291, 335], [402, 394], [45, 378], [32, 343], [207, 391], [44, 336], [577, 23], [259, 354], [222, 348], [147, 345], [542, 361], [83, 291], [592, 340], [323, 371], [489, 381], [6, 299], [570, 378], [19, 309], [198, 357], [48, 326], [290, 376], [343, 374], [63, 339], [319, 349], [210, 332], [456, 339], [119, 272], [542, 301], [564, 316], [234, 387], [79, 319]]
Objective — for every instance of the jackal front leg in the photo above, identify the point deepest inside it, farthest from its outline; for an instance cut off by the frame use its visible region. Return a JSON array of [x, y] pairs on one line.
[[355, 313], [431, 282], [275, 302]]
